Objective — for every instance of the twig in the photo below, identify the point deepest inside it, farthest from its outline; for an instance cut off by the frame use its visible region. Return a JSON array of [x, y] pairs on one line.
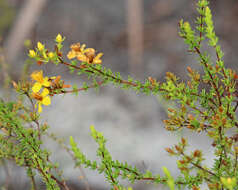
[[33, 183], [80, 89], [72, 156], [34, 110], [200, 167], [210, 75]]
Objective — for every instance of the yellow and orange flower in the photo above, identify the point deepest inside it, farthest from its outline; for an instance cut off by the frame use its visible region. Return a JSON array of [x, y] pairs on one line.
[[76, 49], [87, 55], [91, 56], [42, 98], [40, 81]]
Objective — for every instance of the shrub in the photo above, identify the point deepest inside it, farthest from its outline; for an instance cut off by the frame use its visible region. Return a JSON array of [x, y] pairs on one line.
[[206, 103]]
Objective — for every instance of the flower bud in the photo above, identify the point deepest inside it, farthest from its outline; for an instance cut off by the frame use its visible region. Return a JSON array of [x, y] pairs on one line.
[[59, 39], [32, 53], [40, 46]]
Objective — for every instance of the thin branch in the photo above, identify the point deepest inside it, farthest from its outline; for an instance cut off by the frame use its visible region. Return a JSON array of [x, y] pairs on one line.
[[236, 106], [80, 89], [34, 110], [200, 167], [33, 183], [62, 145], [235, 166], [201, 26], [210, 75]]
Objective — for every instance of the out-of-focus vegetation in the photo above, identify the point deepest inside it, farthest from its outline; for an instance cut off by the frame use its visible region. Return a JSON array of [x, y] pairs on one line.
[[7, 14]]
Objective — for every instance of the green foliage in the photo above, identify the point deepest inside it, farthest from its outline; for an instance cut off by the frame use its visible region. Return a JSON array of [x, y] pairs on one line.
[[170, 180], [23, 144], [112, 169], [206, 103]]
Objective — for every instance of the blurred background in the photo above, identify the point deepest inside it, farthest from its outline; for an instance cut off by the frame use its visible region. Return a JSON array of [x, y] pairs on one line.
[[137, 37]]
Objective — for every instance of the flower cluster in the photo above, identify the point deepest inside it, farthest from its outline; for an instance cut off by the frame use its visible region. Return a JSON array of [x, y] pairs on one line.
[[40, 92], [42, 55], [44, 87], [84, 54]]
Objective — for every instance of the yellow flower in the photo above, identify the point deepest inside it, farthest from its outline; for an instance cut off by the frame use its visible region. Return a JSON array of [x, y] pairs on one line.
[[59, 39], [97, 58], [90, 53], [82, 57], [72, 54], [92, 58], [40, 46], [42, 98], [40, 81], [32, 53], [84, 54], [51, 55], [76, 50], [78, 47]]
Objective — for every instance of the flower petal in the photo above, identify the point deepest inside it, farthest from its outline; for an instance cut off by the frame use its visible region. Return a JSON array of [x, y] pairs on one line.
[[72, 54], [97, 61], [82, 57], [39, 107], [99, 55], [82, 48], [36, 87], [59, 38], [75, 47], [37, 76], [40, 46], [46, 101], [32, 53], [45, 92], [46, 82], [90, 50]]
